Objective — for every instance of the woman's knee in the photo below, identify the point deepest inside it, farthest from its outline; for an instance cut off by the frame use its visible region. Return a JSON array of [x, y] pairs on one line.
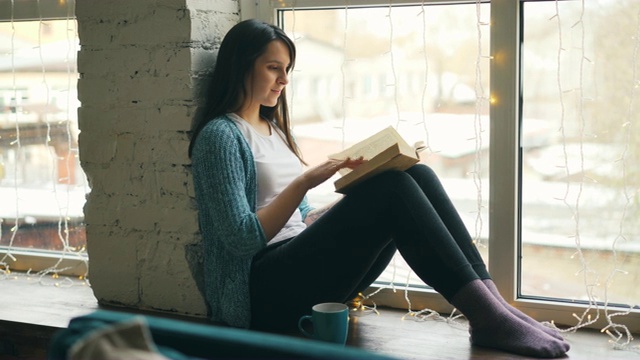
[[388, 185], [391, 179], [421, 170]]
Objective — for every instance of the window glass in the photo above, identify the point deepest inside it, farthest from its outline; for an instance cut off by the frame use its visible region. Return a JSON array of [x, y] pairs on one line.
[[421, 69], [580, 175], [42, 187]]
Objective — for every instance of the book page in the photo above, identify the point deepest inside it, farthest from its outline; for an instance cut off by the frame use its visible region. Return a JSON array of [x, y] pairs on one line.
[[369, 147], [389, 159]]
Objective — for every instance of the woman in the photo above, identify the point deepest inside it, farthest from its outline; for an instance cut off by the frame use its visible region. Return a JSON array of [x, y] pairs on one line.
[[269, 256]]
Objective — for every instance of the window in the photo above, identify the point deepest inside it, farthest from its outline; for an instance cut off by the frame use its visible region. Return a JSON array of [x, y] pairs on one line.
[[579, 177], [425, 67], [42, 185], [383, 44]]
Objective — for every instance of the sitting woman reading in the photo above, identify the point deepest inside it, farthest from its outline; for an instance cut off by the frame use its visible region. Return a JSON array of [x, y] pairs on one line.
[[269, 256]]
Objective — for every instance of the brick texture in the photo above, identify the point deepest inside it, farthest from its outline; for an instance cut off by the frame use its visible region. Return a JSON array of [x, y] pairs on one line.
[[141, 66]]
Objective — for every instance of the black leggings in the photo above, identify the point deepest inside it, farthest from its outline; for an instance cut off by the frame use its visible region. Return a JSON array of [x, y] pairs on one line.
[[347, 248]]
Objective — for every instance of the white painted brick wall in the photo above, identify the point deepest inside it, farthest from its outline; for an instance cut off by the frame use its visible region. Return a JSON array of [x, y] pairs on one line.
[[141, 66]]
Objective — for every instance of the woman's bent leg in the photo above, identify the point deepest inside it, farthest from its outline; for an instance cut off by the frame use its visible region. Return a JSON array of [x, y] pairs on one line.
[[332, 259], [288, 279], [430, 184], [433, 189]]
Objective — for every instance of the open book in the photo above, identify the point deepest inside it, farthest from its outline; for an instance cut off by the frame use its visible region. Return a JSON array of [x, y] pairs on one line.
[[384, 150]]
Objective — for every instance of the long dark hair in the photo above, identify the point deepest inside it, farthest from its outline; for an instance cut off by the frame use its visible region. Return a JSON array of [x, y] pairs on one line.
[[240, 48]]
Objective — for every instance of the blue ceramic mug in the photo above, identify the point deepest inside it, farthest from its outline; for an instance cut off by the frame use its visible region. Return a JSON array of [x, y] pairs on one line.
[[330, 322]]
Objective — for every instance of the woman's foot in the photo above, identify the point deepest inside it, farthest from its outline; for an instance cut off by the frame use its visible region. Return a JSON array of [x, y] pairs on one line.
[[519, 314], [492, 325], [516, 336]]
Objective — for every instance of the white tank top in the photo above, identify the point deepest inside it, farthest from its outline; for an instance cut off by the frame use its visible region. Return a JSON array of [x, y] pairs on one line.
[[277, 166]]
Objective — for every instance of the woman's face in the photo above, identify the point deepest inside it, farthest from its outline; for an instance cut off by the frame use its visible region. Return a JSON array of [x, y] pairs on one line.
[[269, 75]]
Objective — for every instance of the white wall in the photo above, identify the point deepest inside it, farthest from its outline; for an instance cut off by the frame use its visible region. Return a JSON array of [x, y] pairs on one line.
[[140, 64]]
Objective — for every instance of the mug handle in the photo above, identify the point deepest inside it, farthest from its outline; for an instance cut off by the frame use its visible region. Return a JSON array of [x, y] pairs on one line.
[[302, 319]]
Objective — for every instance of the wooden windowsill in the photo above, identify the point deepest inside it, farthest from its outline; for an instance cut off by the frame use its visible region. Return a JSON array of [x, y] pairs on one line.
[[33, 310], [39, 301]]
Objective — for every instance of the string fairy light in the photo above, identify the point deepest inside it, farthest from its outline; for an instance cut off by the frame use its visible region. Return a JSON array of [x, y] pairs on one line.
[[359, 307], [295, 39], [477, 127], [16, 143], [620, 336], [392, 66], [585, 319], [419, 315], [63, 218], [478, 131], [423, 107], [343, 76], [61, 238]]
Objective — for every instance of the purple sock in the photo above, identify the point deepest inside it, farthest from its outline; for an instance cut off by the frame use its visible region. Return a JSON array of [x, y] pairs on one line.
[[519, 314], [492, 325]]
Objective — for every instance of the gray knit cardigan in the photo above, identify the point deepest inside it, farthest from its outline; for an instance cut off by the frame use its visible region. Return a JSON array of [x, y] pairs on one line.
[[225, 183]]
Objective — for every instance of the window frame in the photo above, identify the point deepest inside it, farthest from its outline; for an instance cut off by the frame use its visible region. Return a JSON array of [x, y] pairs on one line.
[[504, 166], [34, 260]]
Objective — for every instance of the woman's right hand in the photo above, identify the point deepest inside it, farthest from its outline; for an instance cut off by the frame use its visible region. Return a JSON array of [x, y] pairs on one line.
[[321, 173]]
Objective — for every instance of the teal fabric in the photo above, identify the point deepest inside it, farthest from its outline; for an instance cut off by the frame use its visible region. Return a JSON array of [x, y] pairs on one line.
[[225, 184], [177, 339]]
